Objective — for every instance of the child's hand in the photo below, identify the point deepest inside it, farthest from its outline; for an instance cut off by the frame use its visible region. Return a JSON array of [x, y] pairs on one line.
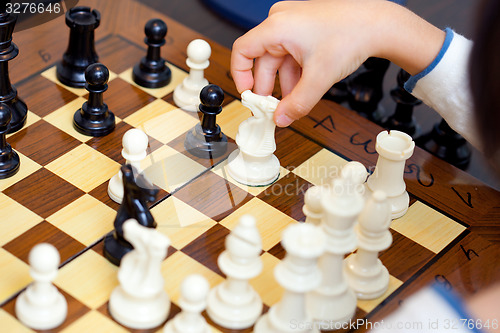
[[314, 44]]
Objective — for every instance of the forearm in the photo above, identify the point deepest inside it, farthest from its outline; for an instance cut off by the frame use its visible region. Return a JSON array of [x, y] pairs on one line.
[[404, 38]]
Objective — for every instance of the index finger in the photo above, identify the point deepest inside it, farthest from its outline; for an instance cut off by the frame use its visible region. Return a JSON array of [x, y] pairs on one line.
[[254, 44]]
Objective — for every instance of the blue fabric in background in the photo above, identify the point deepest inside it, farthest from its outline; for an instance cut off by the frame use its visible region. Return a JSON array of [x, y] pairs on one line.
[[247, 14]]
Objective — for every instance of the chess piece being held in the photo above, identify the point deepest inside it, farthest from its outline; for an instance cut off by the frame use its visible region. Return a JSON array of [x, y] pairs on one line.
[[41, 306], [137, 193], [394, 148], [206, 140], [81, 53], [135, 144], [187, 94], [140, 301], [8, 51], [94, 118], [9, 159], [254, 163], [151, 71]]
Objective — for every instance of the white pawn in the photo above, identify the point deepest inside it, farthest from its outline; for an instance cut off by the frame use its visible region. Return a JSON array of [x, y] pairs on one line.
[[312, 205], [234, 304], [41, 306], [298, 274], [366, 274], [140, 301], [394, 148], [187, 94], [194, 291], [135, 145]]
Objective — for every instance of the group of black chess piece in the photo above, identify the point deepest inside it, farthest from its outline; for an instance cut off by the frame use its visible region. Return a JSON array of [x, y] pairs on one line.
[[363, 92], [80, 68]]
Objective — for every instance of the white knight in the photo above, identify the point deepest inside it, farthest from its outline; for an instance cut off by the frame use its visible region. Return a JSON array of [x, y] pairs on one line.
[[254, 163]]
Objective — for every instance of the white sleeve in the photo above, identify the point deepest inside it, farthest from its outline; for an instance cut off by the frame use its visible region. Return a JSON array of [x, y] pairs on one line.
[[445, 87]]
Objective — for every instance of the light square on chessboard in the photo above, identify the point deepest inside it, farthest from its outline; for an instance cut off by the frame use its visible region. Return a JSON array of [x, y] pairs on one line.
[[90, 278], [16, 219], [231, 117], [270, 221], [86, 219], [180, 222], [321, 168], [11, 324], [162, 121], [169, 169], [62, 118], [26, 168], [95, 322], [31, 118], [369, 305], [265, 283], [84, 167], [177, 76], [15, 275], [50, 74], [427, 227], [177, 267], [221, 170]]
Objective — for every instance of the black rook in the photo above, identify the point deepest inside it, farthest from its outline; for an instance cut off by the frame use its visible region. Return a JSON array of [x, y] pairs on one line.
[[81, 51]]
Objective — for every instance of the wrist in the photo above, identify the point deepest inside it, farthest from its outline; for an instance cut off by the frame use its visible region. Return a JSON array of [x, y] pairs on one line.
[[406, 39]]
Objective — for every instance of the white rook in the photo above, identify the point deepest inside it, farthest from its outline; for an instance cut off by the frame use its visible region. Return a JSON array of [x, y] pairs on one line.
[[394, 148]]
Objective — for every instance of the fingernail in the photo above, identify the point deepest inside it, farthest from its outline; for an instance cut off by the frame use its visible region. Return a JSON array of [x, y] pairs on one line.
[[283, 120]]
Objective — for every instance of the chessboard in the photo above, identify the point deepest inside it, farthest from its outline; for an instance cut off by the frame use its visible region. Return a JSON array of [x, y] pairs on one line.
[[59, 195]]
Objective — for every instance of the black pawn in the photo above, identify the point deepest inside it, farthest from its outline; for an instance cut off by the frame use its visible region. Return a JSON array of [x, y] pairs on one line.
[[94, 118], [152, 72], [136, 194], [81, 53], [366, 89], [442, 141], [206, 140], [9, 160], [402, 119], [8, 93]]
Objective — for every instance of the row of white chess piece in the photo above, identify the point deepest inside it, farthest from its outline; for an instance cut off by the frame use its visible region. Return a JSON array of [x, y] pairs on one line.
[[324, 293]]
